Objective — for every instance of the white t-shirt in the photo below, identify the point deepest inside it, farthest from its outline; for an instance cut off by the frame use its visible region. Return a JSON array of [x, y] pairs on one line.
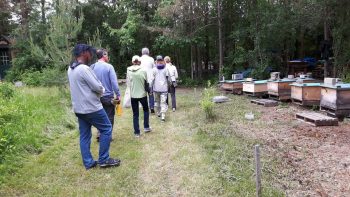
[[147, 63]]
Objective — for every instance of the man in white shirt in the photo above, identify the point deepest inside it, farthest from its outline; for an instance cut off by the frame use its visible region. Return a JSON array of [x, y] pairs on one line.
[[147, 63], [173, 75]]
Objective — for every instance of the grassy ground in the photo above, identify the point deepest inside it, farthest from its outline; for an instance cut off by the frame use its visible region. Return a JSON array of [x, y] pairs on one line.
[[30, 120], [185, 156]]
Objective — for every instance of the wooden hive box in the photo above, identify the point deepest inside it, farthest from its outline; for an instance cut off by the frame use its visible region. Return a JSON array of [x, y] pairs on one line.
[[280, 88], [306, 80], [233, 86], [336, 99], [306, 94], [255, 88]]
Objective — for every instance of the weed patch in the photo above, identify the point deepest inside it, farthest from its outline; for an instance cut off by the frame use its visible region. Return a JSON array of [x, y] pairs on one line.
[[29, 120]]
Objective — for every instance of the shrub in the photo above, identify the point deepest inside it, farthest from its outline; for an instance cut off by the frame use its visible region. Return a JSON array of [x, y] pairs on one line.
[[46, 77], [6, 90], [207, 103], [32, 78]]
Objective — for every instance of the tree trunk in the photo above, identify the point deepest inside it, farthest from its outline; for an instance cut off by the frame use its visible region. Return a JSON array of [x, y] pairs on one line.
[[301, 53], [199, 63], [192, 47], [192, 66], [43, 11], [221, 56], [24, 12], [326, 40], [207, 42]]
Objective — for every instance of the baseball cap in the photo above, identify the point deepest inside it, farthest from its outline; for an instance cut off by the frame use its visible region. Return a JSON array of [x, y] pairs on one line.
[[159, 58], [135, 58], [80, 48]]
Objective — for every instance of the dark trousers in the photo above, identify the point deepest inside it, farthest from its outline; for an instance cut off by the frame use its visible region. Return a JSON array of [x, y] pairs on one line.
[[109, 108], [173, 96], [151, 99], [135, 111]]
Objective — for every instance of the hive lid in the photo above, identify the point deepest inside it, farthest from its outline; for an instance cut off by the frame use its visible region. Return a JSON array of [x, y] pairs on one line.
[[338, 86], [306, 84]]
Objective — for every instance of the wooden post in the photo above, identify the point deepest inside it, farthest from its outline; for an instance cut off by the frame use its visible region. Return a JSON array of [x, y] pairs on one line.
[[195, 94], [258, 171]]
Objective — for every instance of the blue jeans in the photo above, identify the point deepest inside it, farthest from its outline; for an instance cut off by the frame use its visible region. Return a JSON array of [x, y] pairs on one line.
[[135, 111], [99, 120]]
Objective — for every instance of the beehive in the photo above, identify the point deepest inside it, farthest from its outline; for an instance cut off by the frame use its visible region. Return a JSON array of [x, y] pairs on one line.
[[307, 94]]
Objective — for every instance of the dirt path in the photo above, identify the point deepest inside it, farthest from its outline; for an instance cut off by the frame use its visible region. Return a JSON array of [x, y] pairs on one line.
[[173, 165]]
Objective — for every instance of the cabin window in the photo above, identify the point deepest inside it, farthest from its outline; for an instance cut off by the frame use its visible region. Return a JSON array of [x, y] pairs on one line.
[[4, 58]]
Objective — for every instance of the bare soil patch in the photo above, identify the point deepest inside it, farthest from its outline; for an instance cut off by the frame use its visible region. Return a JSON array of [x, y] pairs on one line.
[[315, 161]]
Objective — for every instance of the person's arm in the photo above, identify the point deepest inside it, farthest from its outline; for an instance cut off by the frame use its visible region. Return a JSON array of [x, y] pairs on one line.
[[176, 74], [153, 79], [92, 81], [171, 74], [114, 81]]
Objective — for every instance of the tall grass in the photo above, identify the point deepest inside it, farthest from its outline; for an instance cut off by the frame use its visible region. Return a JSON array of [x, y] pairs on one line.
[[231, 153], [30, 119], [207, 103]]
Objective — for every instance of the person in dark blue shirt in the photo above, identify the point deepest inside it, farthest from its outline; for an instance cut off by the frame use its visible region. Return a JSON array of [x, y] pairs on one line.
[[106, 74]]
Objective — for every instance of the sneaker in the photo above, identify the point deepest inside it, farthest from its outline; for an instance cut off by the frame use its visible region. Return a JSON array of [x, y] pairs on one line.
[[147, 130], [92, 166], [152, 111], [158, 114], [137, 135], [163, 119], [110, 163], [174, 109]]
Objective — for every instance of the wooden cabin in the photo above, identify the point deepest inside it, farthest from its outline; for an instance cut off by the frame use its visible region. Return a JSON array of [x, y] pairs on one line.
[[335, 100], [6, 55], [306, 94], [255, 88]]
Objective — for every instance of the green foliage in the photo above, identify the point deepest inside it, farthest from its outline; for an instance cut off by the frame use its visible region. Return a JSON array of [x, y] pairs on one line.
[[96, 40], [46, 77], [62, 33], [257, 35], [346, 74], [127, 33], [207, 103], [188, 82], [27, 122], [27, 58], [7, 90], [31, 78], [45, 62]]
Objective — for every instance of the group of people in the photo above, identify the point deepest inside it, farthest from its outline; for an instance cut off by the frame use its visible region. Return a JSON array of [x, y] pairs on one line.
[[155, 78], [95, 94]]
